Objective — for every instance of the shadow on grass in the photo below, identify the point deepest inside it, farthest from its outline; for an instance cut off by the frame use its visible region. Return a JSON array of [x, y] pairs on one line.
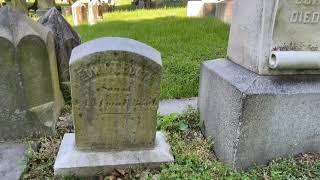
[[183, 42]]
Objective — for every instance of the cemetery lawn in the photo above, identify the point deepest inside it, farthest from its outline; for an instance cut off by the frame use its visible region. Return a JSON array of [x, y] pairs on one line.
[[193, 157], [183, 42]]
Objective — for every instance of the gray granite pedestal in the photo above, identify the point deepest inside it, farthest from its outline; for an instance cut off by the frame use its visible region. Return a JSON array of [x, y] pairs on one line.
[[254, 119], [72, 162]]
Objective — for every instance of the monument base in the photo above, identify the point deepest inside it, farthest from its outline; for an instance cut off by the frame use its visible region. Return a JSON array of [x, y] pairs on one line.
[[72, 162], [12, 160], [254, 119]]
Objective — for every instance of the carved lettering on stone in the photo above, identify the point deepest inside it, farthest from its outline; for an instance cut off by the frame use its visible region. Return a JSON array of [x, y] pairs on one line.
[[115, 84]]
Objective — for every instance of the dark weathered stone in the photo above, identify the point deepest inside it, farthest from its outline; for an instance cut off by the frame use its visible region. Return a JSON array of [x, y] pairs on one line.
[[254, 119], [30, 95], [65, 39]]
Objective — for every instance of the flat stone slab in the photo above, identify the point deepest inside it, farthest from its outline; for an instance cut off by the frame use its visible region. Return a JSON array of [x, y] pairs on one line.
[[170, 106], [12, 160], [72, 162]]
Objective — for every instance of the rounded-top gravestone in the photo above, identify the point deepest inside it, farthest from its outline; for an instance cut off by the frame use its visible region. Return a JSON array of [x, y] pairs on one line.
[[115, 85]]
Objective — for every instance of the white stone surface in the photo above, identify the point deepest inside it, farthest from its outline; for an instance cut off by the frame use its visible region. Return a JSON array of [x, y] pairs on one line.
[[115, 44], [171, 106], [79, 13], [262, 26], [12, 160], [70, 161], [195, 9], [95, 13]]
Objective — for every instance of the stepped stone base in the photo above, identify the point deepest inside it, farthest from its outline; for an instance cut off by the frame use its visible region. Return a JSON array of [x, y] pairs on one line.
[[72, 162], [254, 119]]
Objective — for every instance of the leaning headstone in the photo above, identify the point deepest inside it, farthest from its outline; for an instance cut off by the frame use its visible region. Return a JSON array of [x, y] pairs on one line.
[[45, 5], [79, 13], [262, 103], [95, 11], [20, 5], [115, 85], [224, 10], [30, 95], [65, 39]]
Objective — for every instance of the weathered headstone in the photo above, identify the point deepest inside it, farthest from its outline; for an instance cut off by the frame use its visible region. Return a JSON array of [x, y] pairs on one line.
[[254, 118], [79, 13], [30, 95], [95, 11], [202, 8], [65, 39], [209, 8], [115, 85], [224, 10]]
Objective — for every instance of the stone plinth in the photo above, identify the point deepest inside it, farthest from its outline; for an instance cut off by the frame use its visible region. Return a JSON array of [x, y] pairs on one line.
[[253, 119], [30, 95], [262, 26], [71, 161]]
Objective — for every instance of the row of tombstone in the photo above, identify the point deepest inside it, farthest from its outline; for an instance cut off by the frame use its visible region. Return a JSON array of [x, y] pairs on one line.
[[221, 9], [84, 13], [115, 85]]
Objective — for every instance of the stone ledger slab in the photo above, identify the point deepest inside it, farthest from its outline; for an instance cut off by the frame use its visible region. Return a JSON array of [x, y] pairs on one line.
[[71, 161], [12, 160], [253, 119]]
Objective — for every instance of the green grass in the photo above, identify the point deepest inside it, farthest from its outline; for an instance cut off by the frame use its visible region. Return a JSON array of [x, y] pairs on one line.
[[183, 42], [192, 152]]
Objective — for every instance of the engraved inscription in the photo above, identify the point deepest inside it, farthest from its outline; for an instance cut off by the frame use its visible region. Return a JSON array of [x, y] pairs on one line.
[[302, 16], [117, 86]]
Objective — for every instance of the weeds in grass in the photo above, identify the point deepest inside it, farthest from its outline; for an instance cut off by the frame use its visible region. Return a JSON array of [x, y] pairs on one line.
[[192, 152]]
